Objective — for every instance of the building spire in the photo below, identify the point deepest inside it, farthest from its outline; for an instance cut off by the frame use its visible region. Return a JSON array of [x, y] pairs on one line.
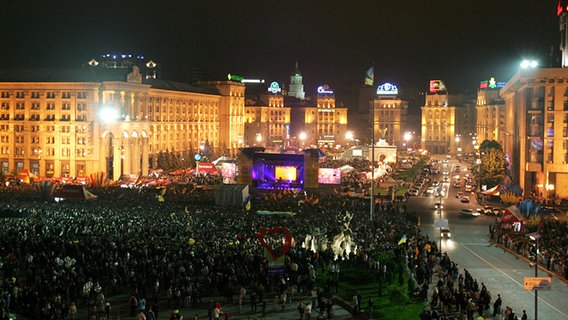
[[297, 70]]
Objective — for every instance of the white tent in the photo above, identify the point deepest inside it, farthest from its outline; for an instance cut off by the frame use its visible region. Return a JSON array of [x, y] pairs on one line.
[[346, 169]]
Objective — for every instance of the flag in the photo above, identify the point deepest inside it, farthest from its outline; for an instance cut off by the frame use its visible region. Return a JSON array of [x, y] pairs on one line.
[[419, 221], [402, 240], [370, 76], [427, 247]]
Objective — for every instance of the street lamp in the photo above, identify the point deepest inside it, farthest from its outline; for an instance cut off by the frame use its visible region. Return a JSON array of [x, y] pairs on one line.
[[407, 137], [526, 64], [258, 138], [535, 236]]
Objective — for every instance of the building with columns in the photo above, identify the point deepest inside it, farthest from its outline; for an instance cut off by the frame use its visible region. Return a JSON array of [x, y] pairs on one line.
[[267, 120], [318, 122], [438, 125], [60, 123]]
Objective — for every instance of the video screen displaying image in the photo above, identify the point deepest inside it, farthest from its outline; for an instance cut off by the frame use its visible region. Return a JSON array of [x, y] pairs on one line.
[[357, 153], [285, 173], [329, 176], [228, 170]]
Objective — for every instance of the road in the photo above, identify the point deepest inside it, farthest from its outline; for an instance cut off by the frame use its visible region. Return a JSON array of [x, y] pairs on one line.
[[469, 246]]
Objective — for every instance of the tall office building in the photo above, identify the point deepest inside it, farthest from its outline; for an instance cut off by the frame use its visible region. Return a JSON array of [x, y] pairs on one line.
[[438, 125], [562, 13], [536, 130], [389, 113], [490, 108], [114, 120], [296, 88]]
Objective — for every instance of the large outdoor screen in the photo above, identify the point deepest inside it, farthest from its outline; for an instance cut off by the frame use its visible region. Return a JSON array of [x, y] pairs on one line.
[[228, 170], [329, 176], [285, 173]]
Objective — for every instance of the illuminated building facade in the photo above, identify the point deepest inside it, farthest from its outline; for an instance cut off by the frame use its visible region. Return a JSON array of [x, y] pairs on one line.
[[562, 13], [296, 88], [490, 108], [324, 125], [267, 121], [438, 125], [536, 113], [389, 115], [51, 121]]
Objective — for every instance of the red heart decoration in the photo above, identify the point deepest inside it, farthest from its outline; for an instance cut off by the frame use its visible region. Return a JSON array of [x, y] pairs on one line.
[[275, 230]]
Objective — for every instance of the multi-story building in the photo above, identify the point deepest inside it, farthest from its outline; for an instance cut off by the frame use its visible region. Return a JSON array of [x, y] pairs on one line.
[[267, 120], [322, 124], [536, 130], [490, 108], [438, 131], [389, 115], [77, 122]]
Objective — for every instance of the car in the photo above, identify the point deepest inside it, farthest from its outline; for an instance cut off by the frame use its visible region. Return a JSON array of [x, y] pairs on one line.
[[445, 232], [446, 180], [457, 185], [465, 199], [435, 183], [469, 213], [439, 205], [413, 192], [430, 190], [459, 195]]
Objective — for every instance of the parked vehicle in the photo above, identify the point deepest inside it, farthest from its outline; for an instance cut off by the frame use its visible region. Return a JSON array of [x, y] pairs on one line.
[[465, 199]]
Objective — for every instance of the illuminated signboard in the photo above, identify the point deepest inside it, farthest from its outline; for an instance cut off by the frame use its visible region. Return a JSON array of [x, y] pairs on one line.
[[491, 84], [437, 86], [325, 89], [387, 89], [252, 81], [274, 87], [233, 77]]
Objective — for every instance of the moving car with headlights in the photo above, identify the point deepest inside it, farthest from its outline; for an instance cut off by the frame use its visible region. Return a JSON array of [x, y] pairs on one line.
[[445, 232], [464, 199], [469, 213]]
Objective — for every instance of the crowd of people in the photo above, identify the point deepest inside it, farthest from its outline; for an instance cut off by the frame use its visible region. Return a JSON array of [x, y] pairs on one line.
[[553, 242], [182, 251]]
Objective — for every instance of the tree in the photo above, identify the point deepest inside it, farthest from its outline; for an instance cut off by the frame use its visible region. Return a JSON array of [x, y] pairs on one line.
[[493, 164]]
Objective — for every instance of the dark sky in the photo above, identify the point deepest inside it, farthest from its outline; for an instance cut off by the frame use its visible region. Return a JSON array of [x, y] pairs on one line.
[[410, 42]]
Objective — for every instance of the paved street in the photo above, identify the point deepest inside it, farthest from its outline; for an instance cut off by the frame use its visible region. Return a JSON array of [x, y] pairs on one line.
[[502, 272]]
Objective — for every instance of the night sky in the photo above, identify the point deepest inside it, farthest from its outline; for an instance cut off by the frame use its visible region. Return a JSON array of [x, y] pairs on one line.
[[334, 42]]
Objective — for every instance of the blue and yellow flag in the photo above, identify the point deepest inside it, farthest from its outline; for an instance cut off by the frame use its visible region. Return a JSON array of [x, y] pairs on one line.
[[402, 240]]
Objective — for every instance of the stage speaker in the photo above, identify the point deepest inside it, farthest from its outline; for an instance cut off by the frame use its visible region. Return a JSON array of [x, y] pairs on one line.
[[311, 169]]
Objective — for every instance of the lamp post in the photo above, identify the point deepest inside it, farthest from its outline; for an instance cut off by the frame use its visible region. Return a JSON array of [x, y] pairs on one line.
[[440, 215], [535, 236]]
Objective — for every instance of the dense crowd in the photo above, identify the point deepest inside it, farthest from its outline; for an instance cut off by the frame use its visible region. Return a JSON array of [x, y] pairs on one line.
[[57, 257]]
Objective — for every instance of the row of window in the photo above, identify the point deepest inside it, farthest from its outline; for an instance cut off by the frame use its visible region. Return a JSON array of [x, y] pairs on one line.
[[48, 140], [37, 94], [65, 152], [48, 106]]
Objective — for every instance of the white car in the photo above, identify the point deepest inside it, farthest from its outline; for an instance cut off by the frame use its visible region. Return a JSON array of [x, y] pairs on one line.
[[413, 192], [469, 213], [430, 190]]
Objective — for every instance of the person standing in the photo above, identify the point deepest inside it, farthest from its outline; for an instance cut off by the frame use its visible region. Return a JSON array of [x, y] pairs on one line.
[[308, 311], [524, 317], [301, 310], [497, 306]]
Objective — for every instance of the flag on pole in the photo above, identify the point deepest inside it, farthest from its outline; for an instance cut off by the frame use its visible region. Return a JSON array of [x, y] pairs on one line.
[[419, 221], [402, 240], [370, 76]]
